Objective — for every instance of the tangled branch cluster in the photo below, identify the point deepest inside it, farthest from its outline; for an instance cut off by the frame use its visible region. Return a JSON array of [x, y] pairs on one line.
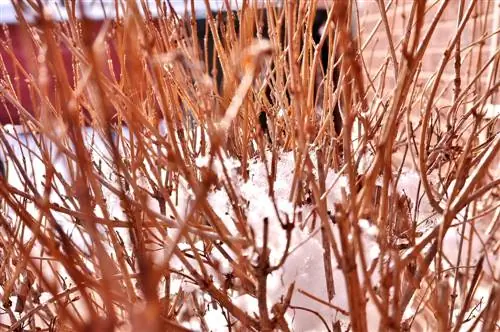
[[151, 198]]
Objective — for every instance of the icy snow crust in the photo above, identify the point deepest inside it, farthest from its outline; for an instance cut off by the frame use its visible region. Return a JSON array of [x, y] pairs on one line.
[[304, 266]]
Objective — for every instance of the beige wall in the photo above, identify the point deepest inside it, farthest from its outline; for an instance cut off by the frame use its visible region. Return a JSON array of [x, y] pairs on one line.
[[484, 20]]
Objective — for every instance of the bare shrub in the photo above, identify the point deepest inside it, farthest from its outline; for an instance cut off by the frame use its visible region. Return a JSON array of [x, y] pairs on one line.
[[146, 198]]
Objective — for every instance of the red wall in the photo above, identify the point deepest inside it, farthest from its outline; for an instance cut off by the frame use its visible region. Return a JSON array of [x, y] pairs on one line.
[[24, 50]]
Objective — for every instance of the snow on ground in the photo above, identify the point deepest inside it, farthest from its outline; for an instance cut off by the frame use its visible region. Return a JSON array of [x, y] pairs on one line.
[[304, 265]]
